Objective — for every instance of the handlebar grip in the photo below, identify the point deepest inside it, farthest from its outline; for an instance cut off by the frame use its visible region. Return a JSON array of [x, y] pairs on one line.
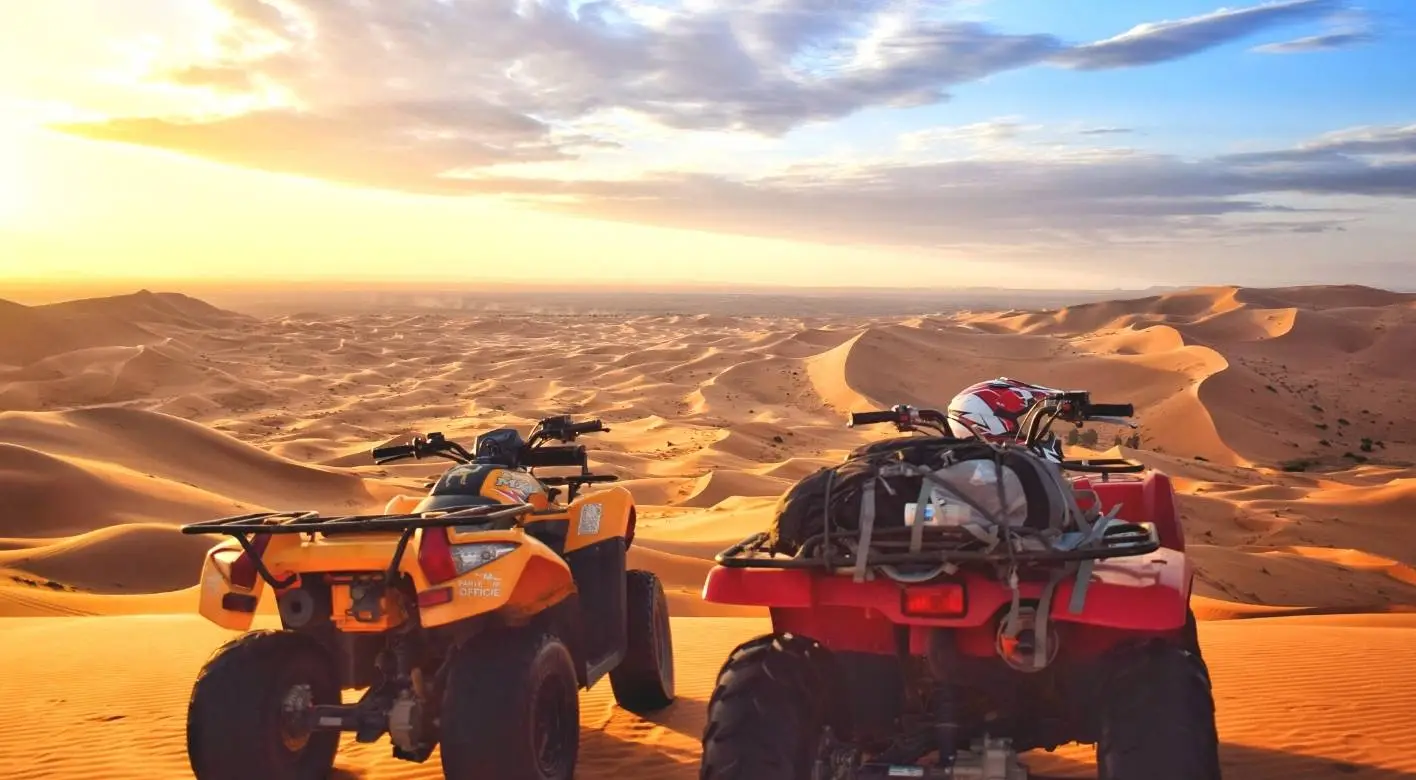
[[395, 451], [871, 418], [554, 456], [1111, 410], [589, 426]]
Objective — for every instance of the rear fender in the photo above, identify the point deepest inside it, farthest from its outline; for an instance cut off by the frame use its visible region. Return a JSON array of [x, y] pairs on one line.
[[524, 582], [231, 601], [1147, 500], [1145, 594]]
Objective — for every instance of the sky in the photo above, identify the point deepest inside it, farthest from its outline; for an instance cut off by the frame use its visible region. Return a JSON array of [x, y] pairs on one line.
[[902, 143]]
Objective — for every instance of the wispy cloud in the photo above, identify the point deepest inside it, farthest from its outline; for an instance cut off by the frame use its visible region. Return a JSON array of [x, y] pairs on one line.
[[1348, 27], [1317, 43], [1155, 42], [1087, 195], [984, 134]]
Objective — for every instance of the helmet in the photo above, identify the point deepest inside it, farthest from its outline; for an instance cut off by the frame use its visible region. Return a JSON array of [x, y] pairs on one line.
[[995, 408]]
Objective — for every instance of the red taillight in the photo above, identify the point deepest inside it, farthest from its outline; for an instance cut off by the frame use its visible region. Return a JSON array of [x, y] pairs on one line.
[[243, 569], [435, 556], [432, 598], [936, 601]]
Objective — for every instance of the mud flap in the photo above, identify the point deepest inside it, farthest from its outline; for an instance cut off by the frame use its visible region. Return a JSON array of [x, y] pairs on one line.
[[599, 576]]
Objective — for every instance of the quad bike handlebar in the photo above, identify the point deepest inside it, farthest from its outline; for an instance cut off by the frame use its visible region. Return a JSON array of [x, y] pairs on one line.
[[536, 452], [905, 417], [507, 448], [1072, 406], [435, 445], [553, 456], [561, 428]]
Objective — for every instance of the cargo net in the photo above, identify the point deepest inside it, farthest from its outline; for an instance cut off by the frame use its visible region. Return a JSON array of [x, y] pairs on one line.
[[922, 507]]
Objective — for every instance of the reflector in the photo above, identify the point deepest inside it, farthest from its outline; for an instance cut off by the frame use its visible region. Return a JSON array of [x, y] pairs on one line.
[[946, 600]]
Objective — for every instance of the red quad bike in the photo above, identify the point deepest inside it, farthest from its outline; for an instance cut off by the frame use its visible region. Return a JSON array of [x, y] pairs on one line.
[[940, 605]]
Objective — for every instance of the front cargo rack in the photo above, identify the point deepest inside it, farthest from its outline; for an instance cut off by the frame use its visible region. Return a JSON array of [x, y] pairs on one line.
[[939, 545]]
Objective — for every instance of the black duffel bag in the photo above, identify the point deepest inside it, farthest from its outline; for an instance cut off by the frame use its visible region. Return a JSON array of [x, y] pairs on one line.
[[1033, 494]]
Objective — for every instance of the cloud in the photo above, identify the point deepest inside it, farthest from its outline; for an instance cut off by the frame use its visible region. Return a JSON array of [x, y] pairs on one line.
[[990, 133], [437, 96], [1086, 197], [1340, 149], [218, 77], [763, 67], [1147, 44], [405, 146], [1328, 42]]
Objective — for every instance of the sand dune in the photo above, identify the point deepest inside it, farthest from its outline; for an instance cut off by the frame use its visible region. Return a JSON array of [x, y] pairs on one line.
[[1282, 415], [1281, 713]]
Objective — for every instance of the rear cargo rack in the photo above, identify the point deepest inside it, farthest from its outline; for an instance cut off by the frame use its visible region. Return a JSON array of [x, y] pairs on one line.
[[306, 522], [241, 527], [939, 545]]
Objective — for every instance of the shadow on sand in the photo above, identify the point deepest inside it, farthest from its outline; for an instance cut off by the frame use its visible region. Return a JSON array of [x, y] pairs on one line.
[[660, 746], [1242, 762], [665, 746]]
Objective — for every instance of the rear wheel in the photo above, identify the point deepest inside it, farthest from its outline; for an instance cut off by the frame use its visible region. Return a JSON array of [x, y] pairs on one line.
[[1158, 719], [768, 713], [248, 713], [511, 710], [644, 680]]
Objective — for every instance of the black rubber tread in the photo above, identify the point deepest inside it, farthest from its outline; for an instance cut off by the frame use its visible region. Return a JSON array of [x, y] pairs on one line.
[[487, 728], [768, 711], [233, 716], [642, 684], [1192, 639], [1157, 719]]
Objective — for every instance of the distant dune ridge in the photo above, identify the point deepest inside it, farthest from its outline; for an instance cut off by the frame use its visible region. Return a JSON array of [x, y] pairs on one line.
[[1283, 414]]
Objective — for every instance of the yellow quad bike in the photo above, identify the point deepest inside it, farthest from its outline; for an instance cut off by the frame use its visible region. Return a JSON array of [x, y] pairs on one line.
[[471, 617]]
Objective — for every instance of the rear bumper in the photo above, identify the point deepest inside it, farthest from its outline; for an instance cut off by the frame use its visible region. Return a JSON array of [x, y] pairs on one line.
[[1140, 593]]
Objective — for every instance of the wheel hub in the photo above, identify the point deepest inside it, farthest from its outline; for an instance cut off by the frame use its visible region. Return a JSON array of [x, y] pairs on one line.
[[551, 715], [834, 761], [405, 720], [295, 709]]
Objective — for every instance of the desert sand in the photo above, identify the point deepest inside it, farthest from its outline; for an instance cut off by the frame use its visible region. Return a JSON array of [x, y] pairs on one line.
[[1285, 416]]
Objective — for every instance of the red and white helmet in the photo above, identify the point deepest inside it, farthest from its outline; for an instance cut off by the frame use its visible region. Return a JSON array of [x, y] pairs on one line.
[[995, 408]]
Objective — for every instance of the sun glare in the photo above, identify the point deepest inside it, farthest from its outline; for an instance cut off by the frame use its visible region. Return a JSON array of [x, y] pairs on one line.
[[13, 190]]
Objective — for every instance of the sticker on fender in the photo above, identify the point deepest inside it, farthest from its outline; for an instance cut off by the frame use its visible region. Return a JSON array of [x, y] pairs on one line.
[[484, 585], [590, 519]]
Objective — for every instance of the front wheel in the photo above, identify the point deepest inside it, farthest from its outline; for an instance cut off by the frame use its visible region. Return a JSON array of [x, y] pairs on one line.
[[767, 716], [511, 710], [644, 680], [248, 715], [1158, 719]]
